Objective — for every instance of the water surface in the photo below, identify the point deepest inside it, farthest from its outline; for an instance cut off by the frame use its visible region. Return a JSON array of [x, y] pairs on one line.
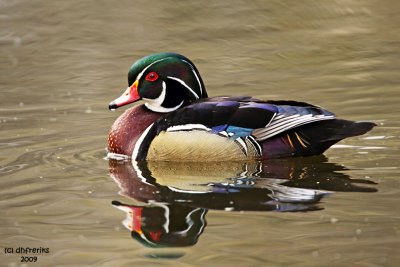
[[63, 62]]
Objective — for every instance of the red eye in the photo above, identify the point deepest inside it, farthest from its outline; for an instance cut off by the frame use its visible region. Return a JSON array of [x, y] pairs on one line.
[[152, 76]]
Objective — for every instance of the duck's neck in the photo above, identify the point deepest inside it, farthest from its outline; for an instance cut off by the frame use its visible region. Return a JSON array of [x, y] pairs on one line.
[[127, 129]]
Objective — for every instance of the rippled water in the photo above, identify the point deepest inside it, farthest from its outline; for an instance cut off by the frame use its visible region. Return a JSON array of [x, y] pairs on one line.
[[63, 61]]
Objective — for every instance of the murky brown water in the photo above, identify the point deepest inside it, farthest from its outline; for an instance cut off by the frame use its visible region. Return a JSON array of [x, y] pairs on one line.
[[62, 62]]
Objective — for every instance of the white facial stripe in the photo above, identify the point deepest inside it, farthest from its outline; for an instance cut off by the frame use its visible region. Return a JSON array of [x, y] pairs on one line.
[[184, 84], [195, 74], [155, 104], [141, 73]]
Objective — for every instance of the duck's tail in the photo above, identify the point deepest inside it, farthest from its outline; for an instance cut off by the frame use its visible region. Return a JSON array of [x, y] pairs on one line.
[[336, 130], [314, 138]]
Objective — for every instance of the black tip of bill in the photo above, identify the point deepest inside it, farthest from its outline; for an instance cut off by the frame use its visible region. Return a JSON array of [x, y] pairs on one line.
[[112, 106]]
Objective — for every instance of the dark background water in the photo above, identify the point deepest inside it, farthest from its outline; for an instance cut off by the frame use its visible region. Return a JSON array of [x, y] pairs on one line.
[[62, 62]]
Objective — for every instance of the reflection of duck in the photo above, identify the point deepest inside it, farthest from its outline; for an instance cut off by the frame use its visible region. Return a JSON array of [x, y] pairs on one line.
[[147, 181], [178, 122], [176, 197], [159, 224], [236, 188]]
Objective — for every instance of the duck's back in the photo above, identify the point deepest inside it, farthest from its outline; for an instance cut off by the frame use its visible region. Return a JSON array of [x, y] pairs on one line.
[[237, 128]]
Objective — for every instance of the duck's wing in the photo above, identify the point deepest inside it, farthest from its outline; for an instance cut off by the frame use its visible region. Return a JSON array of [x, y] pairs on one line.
[[244, 116], [256, 124]]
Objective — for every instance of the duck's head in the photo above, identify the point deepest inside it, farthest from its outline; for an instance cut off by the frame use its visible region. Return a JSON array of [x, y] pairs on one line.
[[164, 81]]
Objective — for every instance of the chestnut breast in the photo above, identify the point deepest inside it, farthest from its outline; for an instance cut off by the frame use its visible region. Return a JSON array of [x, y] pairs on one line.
[[127, 129]]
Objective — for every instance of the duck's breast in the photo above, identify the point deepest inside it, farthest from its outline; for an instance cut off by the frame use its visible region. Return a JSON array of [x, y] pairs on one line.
[[127, 129]]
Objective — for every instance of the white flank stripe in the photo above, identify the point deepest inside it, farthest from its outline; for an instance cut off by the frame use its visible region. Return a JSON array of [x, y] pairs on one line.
[[243, 144], [139, 142], [255, 144], [186, 127]]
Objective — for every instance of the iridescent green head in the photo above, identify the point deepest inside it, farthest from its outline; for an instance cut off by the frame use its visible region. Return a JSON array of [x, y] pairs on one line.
[[164, 81]]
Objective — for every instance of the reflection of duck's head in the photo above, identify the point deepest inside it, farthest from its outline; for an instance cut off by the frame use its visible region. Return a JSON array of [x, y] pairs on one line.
[[162, 225]]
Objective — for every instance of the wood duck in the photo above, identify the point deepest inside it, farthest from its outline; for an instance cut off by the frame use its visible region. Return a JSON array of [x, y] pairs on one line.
[[178, 122], [163, 225]]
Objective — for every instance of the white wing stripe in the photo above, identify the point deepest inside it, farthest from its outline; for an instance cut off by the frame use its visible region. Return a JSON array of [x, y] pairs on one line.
[[290, 120], [287, 126], [187, 127], [295, 121], [282, 124]]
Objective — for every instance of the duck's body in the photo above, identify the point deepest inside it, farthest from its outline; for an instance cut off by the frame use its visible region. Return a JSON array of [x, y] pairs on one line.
[[179, 123]]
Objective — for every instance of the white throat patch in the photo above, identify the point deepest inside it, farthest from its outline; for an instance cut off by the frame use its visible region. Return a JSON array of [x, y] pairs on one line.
[[155, 104]]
